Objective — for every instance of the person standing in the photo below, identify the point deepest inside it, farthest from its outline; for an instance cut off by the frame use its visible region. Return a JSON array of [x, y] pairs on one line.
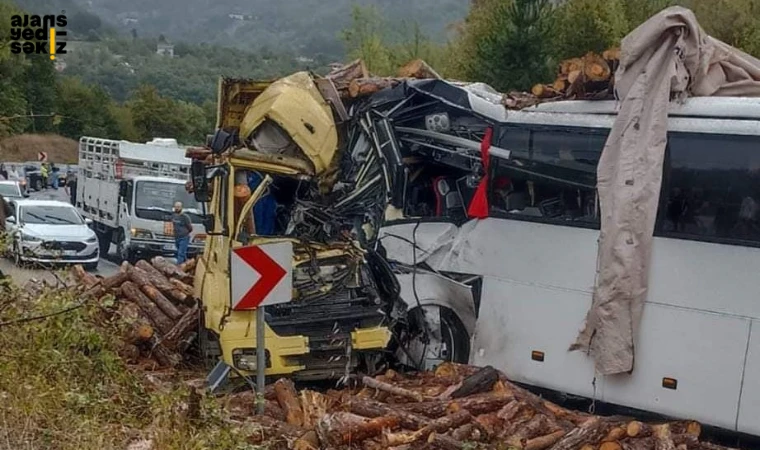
[[3, 171], [71, 188], [54, 169], [182, 229], [44, 175]]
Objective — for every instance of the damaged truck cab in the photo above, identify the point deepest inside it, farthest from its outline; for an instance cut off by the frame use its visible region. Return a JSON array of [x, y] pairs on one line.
[[274, 153]]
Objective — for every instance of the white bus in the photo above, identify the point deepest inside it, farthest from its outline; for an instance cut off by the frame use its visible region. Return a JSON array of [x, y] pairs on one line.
[[697, 353]]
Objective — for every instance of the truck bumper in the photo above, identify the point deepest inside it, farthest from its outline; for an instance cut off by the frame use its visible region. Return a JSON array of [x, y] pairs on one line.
[[163, 248]]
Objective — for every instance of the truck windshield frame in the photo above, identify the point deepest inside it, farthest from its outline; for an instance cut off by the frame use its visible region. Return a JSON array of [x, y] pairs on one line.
[[154, 200]]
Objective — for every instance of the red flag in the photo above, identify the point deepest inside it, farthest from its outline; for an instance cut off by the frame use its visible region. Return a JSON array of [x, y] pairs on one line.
[[479, 205]]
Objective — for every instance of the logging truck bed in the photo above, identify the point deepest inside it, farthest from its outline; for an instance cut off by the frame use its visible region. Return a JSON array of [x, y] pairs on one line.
[[454, 407]]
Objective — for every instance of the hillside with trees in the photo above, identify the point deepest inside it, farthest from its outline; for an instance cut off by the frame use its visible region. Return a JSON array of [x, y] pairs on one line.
[[115, 85], [307, 28]]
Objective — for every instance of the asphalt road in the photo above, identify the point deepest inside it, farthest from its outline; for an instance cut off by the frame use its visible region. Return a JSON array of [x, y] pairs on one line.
[[107, 266]]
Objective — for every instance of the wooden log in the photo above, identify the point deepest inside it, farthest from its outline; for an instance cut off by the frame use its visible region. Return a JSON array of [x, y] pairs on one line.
[[560, 84], [361, 87], [439, 425], [168, 269], [595, 68], [184, 326], [200, 153], [480, 404], [616, 434], [82, 276], [188, 266], [463, 433], [288, 400], [573, 77], [142, 279], [543, 91], [417, 69], [314, 406], [690, 427], [351, 71], [636, 429], [663, 439], [443, 442], [611, 445], [151, 311], [611, 54], [591, 431], [371, 408], [307, 441], [105, 285], [644, 443], [342, 428], [161, 282], [391, 389], [481, 381], [570, 65], [543, 442], [185, 288], [536, 426]]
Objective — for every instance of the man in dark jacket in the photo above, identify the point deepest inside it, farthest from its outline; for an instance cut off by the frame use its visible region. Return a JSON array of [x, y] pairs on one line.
[[183, 226]]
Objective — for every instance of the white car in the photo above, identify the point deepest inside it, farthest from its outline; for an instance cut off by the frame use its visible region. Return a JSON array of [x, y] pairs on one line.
[[49, 231], [12, 190]]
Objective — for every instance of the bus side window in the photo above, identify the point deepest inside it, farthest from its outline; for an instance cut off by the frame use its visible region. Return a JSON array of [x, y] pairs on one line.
[[712, 187], [556, 183]]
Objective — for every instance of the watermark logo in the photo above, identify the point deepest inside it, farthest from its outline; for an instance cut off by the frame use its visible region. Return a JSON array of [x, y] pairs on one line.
[[34, 34]]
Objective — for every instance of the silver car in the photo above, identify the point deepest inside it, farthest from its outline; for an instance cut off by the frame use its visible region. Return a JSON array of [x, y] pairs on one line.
[[50, 231]]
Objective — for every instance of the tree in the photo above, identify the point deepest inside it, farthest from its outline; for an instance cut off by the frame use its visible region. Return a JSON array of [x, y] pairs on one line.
[[12, 99], [506, 43], [588, 25], [85, 110], [364, 39], [40, 92]]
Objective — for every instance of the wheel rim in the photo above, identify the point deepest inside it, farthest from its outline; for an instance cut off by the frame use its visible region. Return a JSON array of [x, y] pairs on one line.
[[440, 346]]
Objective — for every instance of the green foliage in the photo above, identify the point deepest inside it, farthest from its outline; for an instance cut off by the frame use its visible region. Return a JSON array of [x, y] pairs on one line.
[[506, 43], [385, 48], [156, 116], [64, 386], [40, 92], [588, 25], [86, 111]]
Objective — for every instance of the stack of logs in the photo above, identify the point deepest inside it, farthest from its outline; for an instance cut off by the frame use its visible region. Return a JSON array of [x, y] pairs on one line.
[[591, 76], [354, 81], [456, 407], [156, 304]]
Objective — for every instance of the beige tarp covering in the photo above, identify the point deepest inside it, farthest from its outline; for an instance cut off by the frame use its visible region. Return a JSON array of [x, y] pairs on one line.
[[669, 56]]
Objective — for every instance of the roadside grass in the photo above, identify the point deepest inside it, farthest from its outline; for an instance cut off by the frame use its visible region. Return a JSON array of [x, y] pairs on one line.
[[63, 384]]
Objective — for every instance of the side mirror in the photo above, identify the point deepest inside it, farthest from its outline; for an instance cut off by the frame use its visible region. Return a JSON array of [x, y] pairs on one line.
[[221, 141], [10, 219], [200, 182], [123, 188], [208, 223], [87, 221]]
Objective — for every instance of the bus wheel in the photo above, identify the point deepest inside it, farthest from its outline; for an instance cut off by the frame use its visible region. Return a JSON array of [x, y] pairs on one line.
[[439, 337]]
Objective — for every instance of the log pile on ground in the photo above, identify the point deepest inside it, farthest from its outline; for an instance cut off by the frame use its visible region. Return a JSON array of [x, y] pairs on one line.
[[155, 302], [455, 407]]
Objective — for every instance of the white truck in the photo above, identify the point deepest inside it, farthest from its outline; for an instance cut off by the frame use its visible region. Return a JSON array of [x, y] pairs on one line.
[[128, 190]]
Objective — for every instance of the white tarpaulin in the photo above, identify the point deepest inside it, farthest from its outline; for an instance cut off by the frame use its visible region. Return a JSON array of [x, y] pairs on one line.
[[669, 56]]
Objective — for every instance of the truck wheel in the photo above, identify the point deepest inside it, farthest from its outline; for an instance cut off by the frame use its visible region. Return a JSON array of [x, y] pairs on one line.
[[38, 184], [124, 253]]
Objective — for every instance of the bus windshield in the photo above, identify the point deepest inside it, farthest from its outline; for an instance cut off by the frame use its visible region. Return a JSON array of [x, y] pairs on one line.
[[154, 200]]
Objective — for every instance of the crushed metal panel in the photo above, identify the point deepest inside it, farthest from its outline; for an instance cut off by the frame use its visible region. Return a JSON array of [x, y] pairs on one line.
[[234, 96], [296, 105]]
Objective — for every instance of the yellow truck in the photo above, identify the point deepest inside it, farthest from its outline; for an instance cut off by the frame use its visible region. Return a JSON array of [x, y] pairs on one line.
[[283, 166]]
